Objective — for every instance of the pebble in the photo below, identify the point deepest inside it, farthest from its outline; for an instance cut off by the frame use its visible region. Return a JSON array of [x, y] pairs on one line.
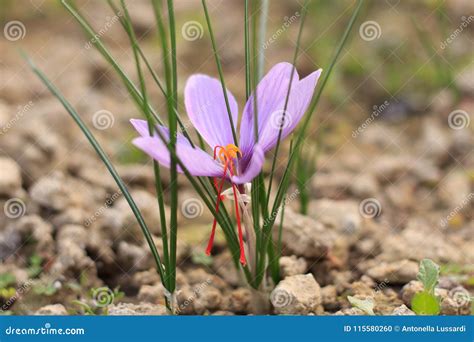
[[52, 310], [297, 295], [10, 180], [305, 237], [342, 216], [141, 309], [292, 265], [397, 272], [403, 310]]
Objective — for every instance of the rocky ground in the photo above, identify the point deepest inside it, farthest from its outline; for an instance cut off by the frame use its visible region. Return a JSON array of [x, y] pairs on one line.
[[386, 194]]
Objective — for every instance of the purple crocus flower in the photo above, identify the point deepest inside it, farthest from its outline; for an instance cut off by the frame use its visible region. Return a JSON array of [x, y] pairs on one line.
[[207, 110]]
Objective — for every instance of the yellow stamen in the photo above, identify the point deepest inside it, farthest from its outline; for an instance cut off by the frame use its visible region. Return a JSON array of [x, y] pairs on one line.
[[229, 152]]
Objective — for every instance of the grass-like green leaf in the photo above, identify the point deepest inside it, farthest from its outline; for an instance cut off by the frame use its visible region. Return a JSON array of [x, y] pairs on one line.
[[105, 159]]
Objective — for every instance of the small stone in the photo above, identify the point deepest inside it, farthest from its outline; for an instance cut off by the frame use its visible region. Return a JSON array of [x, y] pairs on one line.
[[457, 302], [240, 301], [329, 296], [186, 299], [350, 312], [141, 309], [342, 280], [398, 272], [209, 296], [421, 240], [221, 267], [332, 185], [137, 175], [72, 258], [223, 313], [465, 81], [433, 144], [403, 310], [151, 293], [364, 186], [409, 290], [52, 310], [199, 276], [147, 277], [131, 256], [291, 265], [120, 216], [305, 237], [454, 189], [297, 295], [59, 192], [30, 228], [10, 180], [342, 216], [388, 168]]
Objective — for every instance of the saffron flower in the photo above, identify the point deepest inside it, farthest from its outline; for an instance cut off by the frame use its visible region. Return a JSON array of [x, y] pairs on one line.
[[206, 108]]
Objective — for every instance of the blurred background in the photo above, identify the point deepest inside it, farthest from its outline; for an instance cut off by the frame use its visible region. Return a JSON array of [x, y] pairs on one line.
[[394, 127]]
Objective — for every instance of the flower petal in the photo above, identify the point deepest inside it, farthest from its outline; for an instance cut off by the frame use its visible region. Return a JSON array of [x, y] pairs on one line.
[[271, 89], [253, 168], [298, 102], [142, 128], [198, 162], [206, 108]]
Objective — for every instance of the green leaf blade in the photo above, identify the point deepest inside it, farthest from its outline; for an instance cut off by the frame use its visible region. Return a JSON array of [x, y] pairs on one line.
[[425, 303], [428, 274]]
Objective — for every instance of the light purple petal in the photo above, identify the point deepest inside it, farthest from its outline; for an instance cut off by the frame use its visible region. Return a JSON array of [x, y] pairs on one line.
[[253, 168], [198, 162], [142, 128], [206, 108], [299, 100], [271, 89]]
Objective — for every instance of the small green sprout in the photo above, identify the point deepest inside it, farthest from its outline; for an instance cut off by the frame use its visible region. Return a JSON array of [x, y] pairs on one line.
[[366, 305], [426, 302]]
